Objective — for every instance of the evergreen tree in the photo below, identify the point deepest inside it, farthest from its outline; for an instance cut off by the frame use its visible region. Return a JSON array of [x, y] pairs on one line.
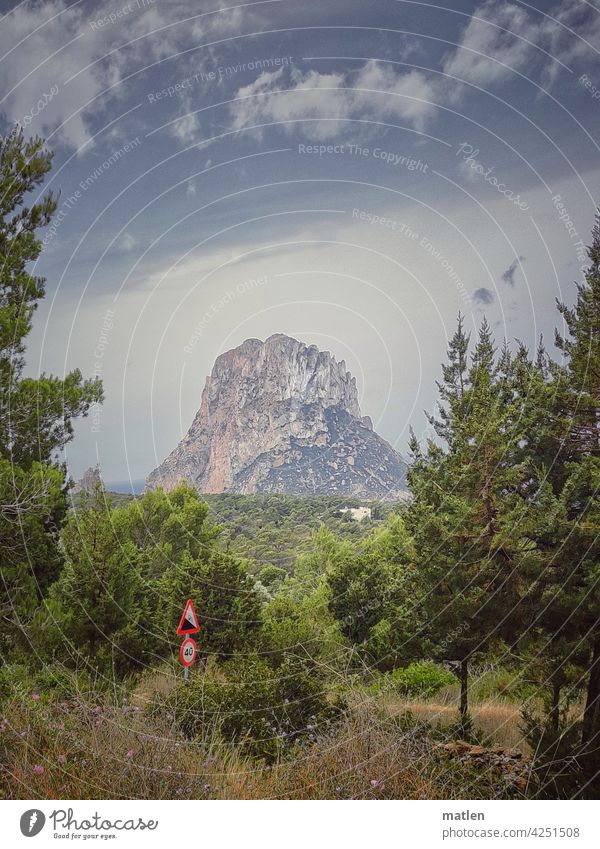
[[581, 348], [92, 605], [370, 595], [472, 524], [179, 558], [128, 574], [35, 414]]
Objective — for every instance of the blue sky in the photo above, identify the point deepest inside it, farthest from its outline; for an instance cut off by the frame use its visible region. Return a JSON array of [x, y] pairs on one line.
[[350, 173]]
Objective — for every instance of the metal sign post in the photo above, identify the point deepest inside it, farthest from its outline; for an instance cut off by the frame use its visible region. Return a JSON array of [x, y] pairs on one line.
[[188, 624]]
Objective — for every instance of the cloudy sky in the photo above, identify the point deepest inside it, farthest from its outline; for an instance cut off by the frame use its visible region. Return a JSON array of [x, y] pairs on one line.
[[351, 173]]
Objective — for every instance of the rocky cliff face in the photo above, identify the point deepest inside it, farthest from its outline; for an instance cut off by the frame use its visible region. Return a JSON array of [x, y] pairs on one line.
[[90, 481], [280, 416]]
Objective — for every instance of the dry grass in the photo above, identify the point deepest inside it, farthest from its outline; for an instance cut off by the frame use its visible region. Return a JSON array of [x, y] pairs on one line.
[[498, 720], [78, 749]]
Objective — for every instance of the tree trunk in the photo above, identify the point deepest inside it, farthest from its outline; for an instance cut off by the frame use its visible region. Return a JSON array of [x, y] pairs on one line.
[[464, 696], [555, 707], [592, 704]]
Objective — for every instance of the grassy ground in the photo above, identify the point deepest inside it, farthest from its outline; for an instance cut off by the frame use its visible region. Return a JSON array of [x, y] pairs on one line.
[[82, 748], [498, 722]]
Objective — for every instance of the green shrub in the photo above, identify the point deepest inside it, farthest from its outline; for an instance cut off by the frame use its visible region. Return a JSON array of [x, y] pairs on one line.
[[14, 677], [272, 577], [416, 680], [51, 683], [557, 759], [261, 709], [500, 682]]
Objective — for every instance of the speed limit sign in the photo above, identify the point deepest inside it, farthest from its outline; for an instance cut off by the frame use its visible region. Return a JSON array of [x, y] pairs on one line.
[[188, 651]]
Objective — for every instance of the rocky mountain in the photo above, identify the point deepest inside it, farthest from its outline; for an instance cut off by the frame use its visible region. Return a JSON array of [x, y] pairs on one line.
[[90, 481], [281, 416]]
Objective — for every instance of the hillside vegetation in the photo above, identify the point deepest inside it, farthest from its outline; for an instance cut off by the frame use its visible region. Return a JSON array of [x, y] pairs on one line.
[[449, 647]]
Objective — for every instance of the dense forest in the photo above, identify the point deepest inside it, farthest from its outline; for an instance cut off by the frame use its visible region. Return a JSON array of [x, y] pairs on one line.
[[272, 531], [446, 647]]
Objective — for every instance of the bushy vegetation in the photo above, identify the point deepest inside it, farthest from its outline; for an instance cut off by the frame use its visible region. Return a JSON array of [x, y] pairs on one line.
[[275, 530], [261, 707], [417, 680], [337, 659]]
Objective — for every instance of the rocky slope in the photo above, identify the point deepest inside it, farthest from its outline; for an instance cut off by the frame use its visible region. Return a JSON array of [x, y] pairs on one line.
[[90, 481], [281, 416]]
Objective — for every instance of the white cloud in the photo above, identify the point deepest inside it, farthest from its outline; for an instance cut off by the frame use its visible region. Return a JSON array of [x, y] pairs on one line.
[[499, 40], [326, 101], [468, 172], [127, 242], [502, 38], [575, 27], [75, 53], [489, 51], [44, 63], [186, 128], [66, 54]]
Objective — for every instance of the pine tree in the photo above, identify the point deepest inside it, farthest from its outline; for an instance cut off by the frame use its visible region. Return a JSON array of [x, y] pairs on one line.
[[370, 593], [35, 414], [469, 518], [96, 596], [178, 557], [581, 348]]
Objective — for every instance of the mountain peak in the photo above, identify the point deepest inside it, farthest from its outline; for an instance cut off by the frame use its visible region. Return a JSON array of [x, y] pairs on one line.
[[282, 416]]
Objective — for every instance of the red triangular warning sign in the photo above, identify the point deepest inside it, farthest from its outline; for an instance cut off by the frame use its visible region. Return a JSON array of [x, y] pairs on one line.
[[189, 621]]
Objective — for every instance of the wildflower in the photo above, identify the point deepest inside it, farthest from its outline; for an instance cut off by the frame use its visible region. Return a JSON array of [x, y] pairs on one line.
[[374, 782], [129, 754], [35, 697], [61, 759], [206, 788], [168, 768], [178, 791], [39, 770]]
